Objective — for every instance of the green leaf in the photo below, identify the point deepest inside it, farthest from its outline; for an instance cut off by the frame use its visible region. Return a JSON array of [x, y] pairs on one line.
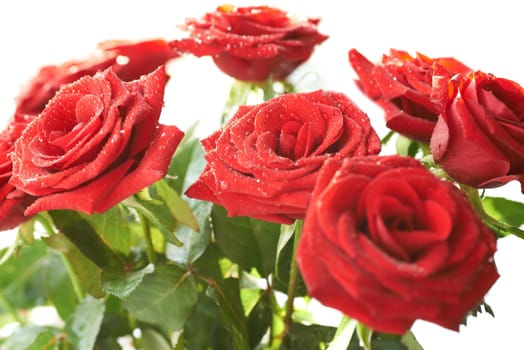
[[282, 272], [406, 146], [187, 163], [259, 320], [151, 339], [168, 288], [83, 326], [246, 241], [364, 334], [505, 210], [193, 243], [303, 337], [116, 324], [286, 233], [411, 342], [58, 285], [208, 266], [32, 337], [227, 297], [21, 279], [113, 228], [89, 274], [249, 296], [178, 207], [153, 212], [382, 341], [47, 340], [345, 332], [123, 284], [205, 316], [84, 237], [388, 137]]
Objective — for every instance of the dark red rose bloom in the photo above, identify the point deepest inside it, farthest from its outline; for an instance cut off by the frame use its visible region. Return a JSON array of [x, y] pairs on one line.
[[251, 43], [264, 162], [402, 86], [478, 139], [386, 242], [97, 142], [13, 202], [129, 61]]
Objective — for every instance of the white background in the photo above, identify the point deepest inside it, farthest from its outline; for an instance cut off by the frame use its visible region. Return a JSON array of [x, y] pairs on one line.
[[486, 35]]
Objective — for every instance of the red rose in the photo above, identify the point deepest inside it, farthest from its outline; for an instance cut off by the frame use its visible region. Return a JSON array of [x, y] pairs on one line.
[[97, 142], [128, 60], [402, 86], [478, 139], [252, 43], [387, 242], [13, 202], [264, 162]]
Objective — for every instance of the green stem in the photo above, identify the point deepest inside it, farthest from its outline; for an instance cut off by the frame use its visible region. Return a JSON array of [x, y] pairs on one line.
[[275, 325], [364, 334], [45, 221], [9, 307], [268, 89], [293, 279], [474, 198], [388, 137], [238, 95], [150, 250]]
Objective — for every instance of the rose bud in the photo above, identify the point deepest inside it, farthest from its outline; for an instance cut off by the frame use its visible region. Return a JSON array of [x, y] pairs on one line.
[[478, 139], [264, 162], [251, 43], [387, 242], [96, 142], [402, 86], [129, 61]]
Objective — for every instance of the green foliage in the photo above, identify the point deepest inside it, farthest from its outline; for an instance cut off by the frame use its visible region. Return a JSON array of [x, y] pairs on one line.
[[33, 337], [247, 242], [505, 210], [194, 243], [308, 337], [83, 325], [164, 298]]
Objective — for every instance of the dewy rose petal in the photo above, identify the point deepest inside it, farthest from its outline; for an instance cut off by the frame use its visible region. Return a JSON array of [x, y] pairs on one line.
[[13, 202], [387, 242], [129, 60], [251, 43], [97, 142], [478, 136], [264, 162], [402, 86]]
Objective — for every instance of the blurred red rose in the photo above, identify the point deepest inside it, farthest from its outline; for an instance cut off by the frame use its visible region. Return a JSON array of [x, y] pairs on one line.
[[96, 142], [264, 162], [251, 43], [129, 61], [386, 242], [13, 202], [478, 139], [402, 86]]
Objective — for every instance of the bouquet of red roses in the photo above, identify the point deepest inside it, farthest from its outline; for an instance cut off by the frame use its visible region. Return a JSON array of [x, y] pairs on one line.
[[145, 232]]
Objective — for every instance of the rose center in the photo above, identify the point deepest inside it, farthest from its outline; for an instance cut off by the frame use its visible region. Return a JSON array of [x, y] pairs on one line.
[[296, 140], [402, 223]]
